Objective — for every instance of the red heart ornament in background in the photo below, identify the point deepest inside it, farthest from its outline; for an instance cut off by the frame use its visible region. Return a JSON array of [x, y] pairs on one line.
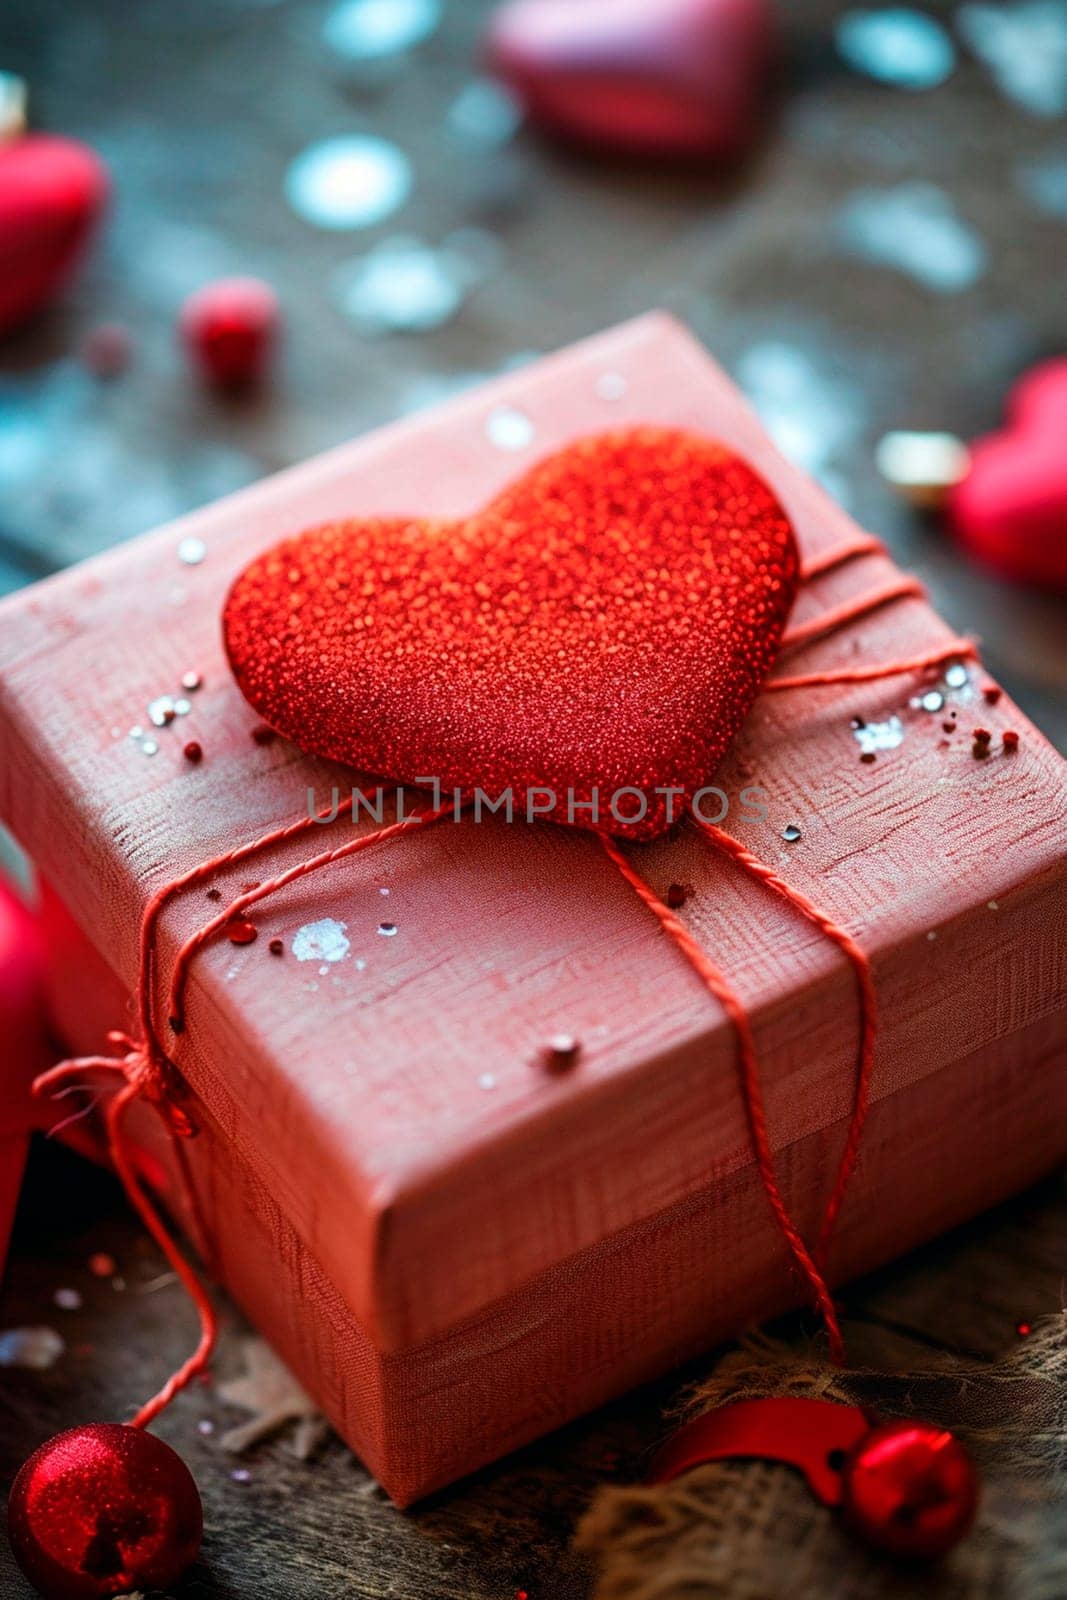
[[604, 624], [1010, 510], [680, 78], [52, 192]]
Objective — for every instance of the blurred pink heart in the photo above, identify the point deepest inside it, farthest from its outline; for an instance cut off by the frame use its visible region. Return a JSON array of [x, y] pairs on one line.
[[1010, 511], [52, 192], [643, 77]]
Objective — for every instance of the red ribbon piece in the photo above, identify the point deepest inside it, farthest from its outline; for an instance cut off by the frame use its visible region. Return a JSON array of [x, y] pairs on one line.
[[815, 1436]]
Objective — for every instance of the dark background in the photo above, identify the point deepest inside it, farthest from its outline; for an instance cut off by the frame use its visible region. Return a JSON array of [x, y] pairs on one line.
[[198, 109]]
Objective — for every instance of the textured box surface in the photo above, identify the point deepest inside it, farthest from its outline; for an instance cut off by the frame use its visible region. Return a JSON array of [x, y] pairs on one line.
[[505, 1247]]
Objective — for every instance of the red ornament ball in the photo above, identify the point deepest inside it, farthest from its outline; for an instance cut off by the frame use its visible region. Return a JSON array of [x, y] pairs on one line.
[[910, 1489], [230, 328], [102, 1510]]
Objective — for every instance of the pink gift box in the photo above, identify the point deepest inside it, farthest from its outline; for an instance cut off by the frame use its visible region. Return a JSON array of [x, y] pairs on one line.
[[454, 1249]]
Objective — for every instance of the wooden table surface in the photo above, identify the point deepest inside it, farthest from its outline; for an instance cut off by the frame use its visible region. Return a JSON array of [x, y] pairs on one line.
[[198, 110]]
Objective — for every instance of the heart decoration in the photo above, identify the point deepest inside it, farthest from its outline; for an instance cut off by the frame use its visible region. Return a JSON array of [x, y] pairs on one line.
[[603, 625], [1010, 510], [682, 78], [52, 192]]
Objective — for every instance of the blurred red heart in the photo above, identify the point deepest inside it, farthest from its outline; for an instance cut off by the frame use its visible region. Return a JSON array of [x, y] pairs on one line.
[[603, 625], [52, 192], [1010, 511], [644, 77]]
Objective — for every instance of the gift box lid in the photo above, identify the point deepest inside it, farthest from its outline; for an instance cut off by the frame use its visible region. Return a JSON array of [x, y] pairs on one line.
[[382, 1076]]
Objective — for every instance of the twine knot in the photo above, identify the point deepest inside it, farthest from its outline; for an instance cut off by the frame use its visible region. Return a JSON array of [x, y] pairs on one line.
[[144, 1067]]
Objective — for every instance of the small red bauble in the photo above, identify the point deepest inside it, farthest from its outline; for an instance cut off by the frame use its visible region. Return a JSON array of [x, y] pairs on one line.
[[230, 328], [102, 1510], [910, 1489], [52, 191], [679, 78]]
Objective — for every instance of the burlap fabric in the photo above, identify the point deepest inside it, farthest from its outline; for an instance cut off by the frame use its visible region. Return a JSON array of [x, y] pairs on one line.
[[753, 1531]]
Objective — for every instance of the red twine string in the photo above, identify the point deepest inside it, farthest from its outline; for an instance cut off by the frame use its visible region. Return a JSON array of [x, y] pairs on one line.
[[148, 1072], [748, 1066]]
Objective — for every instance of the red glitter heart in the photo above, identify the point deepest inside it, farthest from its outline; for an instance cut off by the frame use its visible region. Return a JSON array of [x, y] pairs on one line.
[[603, 625]]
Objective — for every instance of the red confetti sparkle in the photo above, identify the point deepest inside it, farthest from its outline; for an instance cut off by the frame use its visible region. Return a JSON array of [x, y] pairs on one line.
[[1010, 741], [241, 932], [677, 895], [605, 623], [1023, 1329], [193, 752], [991, 694], [276, 947], [561, 1052]]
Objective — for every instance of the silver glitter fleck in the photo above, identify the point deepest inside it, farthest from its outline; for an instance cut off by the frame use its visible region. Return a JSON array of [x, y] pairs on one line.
[[898, 46], [68, 1299], [388, 930], [791, 833], [161, 711], [34, 1349], [182, 707], [508, 428], [136, 732], [353, 181], [993, 905], [191, 551], [206, 1427], [485, 113], [486, 1081], [191, 681], [241, 1475], [957, 676], [323, 940], [149, 747], [368, 30], [932, 935], [611, 386], [874, 736], [932, 700], [383, 891], [916, 229]]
